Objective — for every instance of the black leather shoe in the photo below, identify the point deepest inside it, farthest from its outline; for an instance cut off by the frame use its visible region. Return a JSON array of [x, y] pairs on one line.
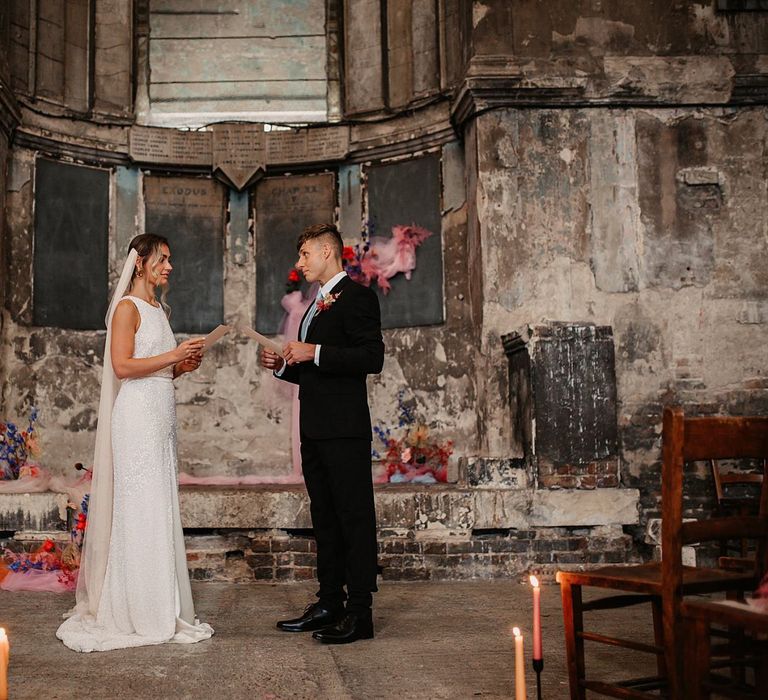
[[315, 617], [350, 628]]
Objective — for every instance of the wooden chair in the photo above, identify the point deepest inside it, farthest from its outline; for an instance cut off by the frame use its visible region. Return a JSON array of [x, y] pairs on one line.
[[663, 584], [735, 495], [698, 619]]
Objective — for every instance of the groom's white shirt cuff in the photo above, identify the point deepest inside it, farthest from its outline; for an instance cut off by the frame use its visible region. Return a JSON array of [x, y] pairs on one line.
[[279, 373]]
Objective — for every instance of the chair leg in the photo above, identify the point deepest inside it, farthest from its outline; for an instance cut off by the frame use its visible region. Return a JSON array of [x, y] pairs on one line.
[[658, 636], [573, 619], [761, 669], [737, 642], [673, 648], [697, 659]]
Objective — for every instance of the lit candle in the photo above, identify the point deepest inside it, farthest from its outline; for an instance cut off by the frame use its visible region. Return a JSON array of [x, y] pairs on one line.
[[4, 650], [519, 666], [537, 654]]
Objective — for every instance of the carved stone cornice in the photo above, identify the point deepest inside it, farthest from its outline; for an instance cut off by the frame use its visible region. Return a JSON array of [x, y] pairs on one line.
[[10, 116], [55, 146], [108, 144], [493, 82]]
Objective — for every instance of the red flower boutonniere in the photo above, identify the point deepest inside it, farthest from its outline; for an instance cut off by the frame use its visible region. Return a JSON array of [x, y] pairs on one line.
[[327, 301]]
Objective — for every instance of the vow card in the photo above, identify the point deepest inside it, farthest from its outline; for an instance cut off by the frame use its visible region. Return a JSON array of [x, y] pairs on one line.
[[215, 336], [263, 340]]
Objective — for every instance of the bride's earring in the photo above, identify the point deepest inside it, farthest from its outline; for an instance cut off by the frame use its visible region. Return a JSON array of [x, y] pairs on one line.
[[139, 272]]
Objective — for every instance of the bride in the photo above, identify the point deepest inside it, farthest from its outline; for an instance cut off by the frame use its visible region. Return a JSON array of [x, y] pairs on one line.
[[133, 588]]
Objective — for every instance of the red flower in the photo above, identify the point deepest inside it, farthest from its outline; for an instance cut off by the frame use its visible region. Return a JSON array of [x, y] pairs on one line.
[[293, 275], [48, 546], [348, 253]]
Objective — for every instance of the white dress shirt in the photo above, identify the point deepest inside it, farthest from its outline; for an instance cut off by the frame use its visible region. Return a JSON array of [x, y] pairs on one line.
[[324, 290]]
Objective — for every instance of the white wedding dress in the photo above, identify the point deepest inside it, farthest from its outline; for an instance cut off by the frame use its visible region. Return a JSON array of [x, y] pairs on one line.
[[146, 597]]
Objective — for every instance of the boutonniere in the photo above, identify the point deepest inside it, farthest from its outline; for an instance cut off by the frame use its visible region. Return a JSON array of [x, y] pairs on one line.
[[327, 301]]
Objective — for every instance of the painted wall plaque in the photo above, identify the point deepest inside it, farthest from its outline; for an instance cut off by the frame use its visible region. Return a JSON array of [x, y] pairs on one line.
[[239, 153]]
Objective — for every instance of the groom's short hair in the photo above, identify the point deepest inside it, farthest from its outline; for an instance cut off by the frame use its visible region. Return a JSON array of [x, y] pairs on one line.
[[328, 232]]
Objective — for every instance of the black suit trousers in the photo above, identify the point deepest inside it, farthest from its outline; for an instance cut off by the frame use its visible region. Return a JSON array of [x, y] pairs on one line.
[[337, 473]]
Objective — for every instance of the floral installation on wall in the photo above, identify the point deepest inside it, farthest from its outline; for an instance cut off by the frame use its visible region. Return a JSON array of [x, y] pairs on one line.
[[17, 448], [51, 566], [409, 452], [376, 258]]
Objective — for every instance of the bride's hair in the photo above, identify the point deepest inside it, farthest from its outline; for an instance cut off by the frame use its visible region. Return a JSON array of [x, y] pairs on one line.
[[148, 246]]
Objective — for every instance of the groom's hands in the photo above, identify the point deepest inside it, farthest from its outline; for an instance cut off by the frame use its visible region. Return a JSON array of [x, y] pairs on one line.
[[271, 360], [295, 352]]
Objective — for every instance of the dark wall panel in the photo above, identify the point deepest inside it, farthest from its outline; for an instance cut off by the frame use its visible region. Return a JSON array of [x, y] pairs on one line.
[[285, 206], [408, 192], [71, 238], [189, 212]]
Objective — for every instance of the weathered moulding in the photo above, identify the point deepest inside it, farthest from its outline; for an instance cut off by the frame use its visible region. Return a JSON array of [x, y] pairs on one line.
[[576, 53]]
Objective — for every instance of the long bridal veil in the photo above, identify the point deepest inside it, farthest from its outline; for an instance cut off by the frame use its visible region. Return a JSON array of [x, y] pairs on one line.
[[93, 560]]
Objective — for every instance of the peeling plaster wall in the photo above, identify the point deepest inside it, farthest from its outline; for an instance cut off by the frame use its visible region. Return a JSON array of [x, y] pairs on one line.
[[654, 222], [3, 243]]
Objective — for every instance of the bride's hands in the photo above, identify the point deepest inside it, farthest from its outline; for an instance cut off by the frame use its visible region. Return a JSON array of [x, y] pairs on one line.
[[188, 365], [191, 349]]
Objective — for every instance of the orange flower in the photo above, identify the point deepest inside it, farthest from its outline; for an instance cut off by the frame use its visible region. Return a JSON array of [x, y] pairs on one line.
[[418, 436]]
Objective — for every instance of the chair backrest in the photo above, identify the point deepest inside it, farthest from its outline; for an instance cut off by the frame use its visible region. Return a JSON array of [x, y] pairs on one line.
[[695, 439], [708, 438], [722, 480]]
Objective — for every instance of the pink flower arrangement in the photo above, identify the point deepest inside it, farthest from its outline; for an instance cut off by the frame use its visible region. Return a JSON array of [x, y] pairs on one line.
[[378, 258]]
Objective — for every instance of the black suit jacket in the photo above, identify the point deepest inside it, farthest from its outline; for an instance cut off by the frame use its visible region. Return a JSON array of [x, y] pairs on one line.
[[333, 396]]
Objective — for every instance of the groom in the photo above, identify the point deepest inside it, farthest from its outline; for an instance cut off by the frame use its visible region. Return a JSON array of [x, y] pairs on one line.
[[339, 345]]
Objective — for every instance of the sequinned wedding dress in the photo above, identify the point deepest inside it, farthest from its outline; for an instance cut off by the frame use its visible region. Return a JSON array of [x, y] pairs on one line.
[[145, 597]]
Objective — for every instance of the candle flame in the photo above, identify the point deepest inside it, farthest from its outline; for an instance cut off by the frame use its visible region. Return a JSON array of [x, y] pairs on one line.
[[516, 631], [534, 581]]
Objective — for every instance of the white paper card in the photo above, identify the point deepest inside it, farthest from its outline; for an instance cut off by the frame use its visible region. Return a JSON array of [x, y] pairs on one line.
[[215, 336], [263, 340]]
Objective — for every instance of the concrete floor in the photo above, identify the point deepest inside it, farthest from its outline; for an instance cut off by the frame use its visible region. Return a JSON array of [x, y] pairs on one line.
[[433, 640]]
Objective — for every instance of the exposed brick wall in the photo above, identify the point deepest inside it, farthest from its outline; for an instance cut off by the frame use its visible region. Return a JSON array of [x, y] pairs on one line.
[[280, 555], [640, 433], [598, 474]]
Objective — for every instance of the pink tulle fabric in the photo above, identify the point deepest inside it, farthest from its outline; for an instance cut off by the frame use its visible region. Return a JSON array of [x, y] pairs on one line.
[[759, 600], [37, 581], [34, 479]]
